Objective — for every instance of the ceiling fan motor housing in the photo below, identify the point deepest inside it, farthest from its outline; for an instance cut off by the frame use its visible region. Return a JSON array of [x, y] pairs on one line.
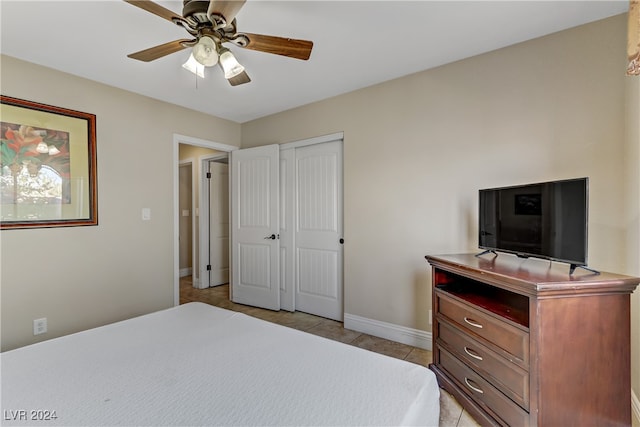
[[196, 10]]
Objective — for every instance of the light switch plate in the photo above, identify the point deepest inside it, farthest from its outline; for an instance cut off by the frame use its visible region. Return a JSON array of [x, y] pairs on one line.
[[146, 214], [40, 326]]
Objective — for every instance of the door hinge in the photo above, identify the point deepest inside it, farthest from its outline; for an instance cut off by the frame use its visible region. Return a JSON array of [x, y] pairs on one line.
[[209, 267], [208, 175]]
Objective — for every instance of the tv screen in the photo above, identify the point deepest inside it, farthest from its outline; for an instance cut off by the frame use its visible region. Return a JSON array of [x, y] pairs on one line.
[[545, 220]]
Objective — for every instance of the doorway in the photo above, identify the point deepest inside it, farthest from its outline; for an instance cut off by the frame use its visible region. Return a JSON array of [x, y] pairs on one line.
[[193, 144]]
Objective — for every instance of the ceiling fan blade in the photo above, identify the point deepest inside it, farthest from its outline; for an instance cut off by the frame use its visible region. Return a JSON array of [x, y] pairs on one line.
[[156, 9], [227, 9], [156, 52], [293, 48], [241, 78]]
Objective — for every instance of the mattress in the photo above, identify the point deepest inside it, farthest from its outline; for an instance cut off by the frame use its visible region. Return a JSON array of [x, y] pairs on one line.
[[196, 364]]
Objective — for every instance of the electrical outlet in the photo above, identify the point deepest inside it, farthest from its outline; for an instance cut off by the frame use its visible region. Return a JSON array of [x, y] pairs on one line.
[[40, 326], [430, 317]]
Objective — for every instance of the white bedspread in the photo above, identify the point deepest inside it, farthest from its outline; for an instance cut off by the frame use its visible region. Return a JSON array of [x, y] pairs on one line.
[[197, 364]]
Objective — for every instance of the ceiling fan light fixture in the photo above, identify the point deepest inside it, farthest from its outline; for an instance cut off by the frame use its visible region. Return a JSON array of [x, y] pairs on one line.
[[211, 23], [205, 51], [229, 64], [194, 66]]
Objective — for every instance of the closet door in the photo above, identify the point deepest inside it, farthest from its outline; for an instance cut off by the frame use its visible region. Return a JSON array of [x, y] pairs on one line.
[[318, 233], [254, 222]]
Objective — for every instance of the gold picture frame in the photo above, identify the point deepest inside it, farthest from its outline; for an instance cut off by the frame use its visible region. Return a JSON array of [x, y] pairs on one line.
[[633, 38], [47, 166]]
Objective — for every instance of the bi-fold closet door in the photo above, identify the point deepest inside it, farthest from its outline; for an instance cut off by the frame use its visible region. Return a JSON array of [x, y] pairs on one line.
[[286, 227]]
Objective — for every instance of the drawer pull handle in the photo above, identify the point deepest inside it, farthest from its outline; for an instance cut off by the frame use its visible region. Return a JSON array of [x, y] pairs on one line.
[[472, 353], [468, 382], [473, 323]]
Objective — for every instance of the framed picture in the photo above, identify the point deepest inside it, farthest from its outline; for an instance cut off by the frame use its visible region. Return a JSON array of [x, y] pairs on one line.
[[48, 166], [633, 38]]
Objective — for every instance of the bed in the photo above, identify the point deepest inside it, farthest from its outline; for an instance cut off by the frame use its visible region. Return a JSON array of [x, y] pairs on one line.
[[196, 364]]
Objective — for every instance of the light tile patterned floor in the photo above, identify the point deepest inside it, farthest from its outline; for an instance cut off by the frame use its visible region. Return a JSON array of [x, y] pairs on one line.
[[451, 413]]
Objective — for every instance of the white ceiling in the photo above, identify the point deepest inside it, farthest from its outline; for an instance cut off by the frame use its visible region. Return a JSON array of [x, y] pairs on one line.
[[356, 44]]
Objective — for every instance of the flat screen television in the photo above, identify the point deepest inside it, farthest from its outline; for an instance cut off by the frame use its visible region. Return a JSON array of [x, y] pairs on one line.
[[544, 220]]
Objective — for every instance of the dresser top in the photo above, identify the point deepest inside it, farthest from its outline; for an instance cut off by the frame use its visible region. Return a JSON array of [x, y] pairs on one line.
[[532, 275]]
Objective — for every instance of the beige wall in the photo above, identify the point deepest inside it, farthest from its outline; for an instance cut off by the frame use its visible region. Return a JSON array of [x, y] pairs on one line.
[[417, 149], [88, 276], [185, 223]]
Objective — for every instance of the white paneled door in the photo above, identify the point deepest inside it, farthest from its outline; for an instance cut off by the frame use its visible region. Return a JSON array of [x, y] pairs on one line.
[[318, 231], [254, 223], [218, 223], [286, 237]]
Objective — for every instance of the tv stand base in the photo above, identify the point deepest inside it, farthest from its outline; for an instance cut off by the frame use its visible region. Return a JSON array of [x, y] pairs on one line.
[[486, 252], [573, 267]]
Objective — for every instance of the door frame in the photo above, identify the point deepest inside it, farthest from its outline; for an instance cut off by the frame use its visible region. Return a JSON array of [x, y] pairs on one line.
[[187, 140], [313, 140]]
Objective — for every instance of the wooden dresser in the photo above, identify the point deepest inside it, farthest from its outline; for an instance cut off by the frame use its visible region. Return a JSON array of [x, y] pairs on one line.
[[521, 342]]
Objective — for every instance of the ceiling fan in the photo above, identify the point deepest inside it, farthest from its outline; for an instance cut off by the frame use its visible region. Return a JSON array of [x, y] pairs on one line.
[[212, 23]]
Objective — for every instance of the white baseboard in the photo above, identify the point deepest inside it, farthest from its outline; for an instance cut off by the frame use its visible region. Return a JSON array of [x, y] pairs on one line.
[[185, 272], [635, 408], [401, 334]]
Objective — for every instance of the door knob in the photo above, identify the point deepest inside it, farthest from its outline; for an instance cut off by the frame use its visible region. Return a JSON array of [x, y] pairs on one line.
[[272, 237]]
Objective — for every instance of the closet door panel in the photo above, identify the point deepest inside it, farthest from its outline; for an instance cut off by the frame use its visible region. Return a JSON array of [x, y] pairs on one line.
[[319, 229]]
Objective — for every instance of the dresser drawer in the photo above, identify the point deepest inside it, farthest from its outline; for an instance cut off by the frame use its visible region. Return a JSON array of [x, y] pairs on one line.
[[487, 396], [505, 375], [493, 329]]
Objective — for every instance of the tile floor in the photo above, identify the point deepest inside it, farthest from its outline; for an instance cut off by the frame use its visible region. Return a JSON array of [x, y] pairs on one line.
[[451, 413]]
